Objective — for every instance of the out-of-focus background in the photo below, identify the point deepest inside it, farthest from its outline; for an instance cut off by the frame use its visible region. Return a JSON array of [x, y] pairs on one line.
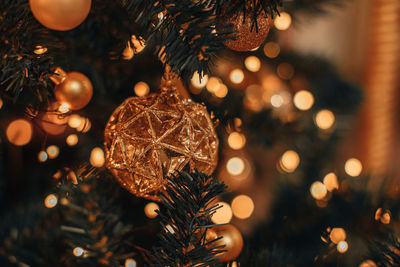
[[362, 40]]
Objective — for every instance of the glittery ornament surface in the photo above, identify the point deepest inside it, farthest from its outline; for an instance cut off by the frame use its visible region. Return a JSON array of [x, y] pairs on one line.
[[147, 138], [248, 37]]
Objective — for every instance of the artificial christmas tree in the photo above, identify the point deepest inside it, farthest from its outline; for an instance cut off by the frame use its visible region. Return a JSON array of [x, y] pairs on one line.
[[274, 119]]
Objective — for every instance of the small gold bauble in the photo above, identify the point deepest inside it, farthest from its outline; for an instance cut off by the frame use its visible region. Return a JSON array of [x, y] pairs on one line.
[[232, 241], [60, 15], [148, 138], [248, 37], [74, 89]]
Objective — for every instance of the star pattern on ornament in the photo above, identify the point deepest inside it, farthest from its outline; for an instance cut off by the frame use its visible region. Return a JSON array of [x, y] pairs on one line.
[[150, 137]]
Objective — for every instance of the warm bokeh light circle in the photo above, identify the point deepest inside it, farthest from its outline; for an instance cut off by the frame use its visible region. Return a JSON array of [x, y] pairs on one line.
[[19, 132], [242, 206]]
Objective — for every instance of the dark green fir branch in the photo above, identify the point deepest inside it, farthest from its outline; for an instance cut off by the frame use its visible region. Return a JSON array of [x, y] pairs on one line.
[[386, 252], [185, 219]]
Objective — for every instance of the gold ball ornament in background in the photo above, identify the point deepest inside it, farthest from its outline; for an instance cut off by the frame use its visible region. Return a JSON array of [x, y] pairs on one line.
[[72, 88], [149, 137], [60, 15], [232, 241], [248, 37]]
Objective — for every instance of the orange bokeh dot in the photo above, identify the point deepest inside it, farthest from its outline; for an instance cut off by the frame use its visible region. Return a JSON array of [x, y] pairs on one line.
[[150, 210], [19, 132], [242, 206], [223, 214]]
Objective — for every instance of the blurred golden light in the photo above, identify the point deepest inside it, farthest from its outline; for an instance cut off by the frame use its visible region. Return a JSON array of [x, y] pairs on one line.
[[236, 140], [138, 43], [84, 125], [78, 251], [71, 175], [271, 82], [353, 167], [276, 101], [19, 132], [254, 97], [272, 49], [150, 210], [50, 201], [303, 100], [222, 91], [97, 157], [289, 161], [285, 71], [63, 108], [382, 216], [199, 82], [378, 214], [1, 103], [128, 52], [40, 50], [342, 246], [331, 181], [57, 175], [235, 166], [242, 206], [385, 218], [223, 214], [74, 121], [170, 229], [368, 263], [236, 76], [130, 263], [52, 151], [87, 127], [324, 119], [283, 21], [238, 122], [318, 190], [252, 63], [42, 156], [337, 235], [141, 89], [234, 264], [213, 84], [64, 201], [72, 139]]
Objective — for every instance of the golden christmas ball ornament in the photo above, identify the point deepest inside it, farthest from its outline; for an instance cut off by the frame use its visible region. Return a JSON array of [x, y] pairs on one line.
[[73, 88], [248, 34], [60, 15], [232, 241], [149, 137]]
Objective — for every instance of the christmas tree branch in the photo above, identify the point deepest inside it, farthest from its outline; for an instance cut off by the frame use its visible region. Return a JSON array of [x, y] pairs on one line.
[[83, 225], [185, 219], [385, 253]]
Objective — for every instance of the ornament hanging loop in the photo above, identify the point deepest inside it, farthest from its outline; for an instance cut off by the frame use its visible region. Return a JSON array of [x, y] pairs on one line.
[[172, 82], [58, 76]]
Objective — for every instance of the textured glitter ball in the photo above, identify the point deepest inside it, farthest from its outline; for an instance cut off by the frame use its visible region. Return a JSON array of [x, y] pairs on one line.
[[248, 37], [147, 138]]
